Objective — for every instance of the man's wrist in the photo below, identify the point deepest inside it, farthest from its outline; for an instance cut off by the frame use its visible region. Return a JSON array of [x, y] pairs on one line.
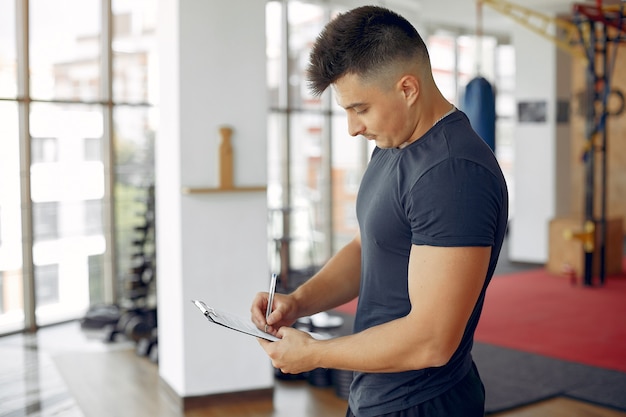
[[297, 302]]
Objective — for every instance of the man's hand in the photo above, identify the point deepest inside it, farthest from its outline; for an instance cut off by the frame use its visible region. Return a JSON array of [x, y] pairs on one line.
[[283, 313], [293, 354]]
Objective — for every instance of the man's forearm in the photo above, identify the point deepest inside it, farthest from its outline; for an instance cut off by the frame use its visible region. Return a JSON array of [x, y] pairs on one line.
[[390, 347], [335, 284], [395, 346]]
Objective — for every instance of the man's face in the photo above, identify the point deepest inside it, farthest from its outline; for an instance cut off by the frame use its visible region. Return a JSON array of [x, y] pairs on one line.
[[379, 113]]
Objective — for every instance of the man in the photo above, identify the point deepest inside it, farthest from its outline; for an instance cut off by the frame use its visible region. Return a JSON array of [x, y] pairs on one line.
[[432, 211]]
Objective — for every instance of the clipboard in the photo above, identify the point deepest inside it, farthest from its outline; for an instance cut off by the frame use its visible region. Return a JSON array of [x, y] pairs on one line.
[[232, 321]]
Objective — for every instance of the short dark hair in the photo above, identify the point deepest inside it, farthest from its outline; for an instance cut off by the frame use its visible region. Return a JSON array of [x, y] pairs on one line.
[[363, 41]]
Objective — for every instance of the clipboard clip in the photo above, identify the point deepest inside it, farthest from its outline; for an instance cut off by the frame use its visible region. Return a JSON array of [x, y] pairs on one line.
[[208, 311]]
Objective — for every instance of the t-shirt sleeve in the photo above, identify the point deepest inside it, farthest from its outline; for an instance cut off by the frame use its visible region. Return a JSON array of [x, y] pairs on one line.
[[455, 203]]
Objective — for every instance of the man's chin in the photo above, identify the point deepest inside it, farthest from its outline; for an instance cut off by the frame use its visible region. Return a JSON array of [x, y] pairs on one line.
[[380, 143], [384, 145]]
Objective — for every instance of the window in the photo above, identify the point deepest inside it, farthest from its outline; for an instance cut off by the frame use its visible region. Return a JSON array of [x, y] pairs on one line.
[[93, 149], [8, 50], [47, 281], [75, 104], [11, 315], [93, 217], [310, 152], [46, 220], [96, 279], [43, 150]]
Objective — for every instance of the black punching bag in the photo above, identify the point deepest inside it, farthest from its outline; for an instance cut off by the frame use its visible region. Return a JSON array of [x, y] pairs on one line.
[[479, 103]]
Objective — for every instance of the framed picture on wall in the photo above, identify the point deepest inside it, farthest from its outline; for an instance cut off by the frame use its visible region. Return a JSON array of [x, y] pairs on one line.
[[532, 111]]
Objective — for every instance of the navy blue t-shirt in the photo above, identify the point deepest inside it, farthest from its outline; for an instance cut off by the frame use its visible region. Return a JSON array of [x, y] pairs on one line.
[[445, 189]]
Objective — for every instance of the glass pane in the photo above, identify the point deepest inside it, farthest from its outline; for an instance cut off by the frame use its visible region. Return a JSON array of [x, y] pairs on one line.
[[273, 37], [347, 170], [306, 190], [275, 160], [467, 56], [134, 132], [8, 57], [305, 22], [65, 49], [295, 229], [506, 111], [298, 228], [134, 51], [11, 288], [67, 190], [443, 60], [473, 49]]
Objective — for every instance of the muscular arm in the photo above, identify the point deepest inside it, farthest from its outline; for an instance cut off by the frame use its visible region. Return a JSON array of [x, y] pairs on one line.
[[444, 284], [335, 284]]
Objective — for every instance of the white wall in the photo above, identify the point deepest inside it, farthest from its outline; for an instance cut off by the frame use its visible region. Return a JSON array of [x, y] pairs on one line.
[[541, 184], [212, 246]]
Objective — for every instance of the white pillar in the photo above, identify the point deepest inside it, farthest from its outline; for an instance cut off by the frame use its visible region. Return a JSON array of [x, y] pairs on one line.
[[210, 246], [542, 149]]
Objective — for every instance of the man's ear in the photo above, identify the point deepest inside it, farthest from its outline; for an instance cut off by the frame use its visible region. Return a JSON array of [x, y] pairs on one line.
[[409, 85]]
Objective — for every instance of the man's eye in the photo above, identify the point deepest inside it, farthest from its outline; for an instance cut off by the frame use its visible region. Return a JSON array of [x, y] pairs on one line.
[[360, 111]]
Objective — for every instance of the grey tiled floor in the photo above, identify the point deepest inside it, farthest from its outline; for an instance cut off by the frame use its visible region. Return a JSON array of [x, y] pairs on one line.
[[30, 384]]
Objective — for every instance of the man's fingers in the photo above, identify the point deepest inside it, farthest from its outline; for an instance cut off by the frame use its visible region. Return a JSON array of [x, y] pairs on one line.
[[258, 310], [274, 317]]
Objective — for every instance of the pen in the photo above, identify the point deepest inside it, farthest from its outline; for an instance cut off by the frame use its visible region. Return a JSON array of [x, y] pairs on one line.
[[270, 299]]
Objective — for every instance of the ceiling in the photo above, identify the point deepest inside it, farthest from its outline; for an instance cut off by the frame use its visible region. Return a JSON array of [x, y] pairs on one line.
[[462, 13]]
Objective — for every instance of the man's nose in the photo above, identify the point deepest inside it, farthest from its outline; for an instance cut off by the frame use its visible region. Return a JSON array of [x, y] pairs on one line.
[[355, 126]]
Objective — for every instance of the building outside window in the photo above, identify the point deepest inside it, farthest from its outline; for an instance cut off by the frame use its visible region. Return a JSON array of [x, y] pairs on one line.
[[78, 111]]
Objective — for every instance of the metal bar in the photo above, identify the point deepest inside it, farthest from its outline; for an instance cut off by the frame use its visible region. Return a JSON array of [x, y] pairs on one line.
[[285, 137], [590, 157], [608, 16], [315, 110], [326, 195], [603, 161], [609, 65], [67, 101], [479, 40], [327, 201], [566, 33], [599, 83], [108, 155], [23, 82]]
